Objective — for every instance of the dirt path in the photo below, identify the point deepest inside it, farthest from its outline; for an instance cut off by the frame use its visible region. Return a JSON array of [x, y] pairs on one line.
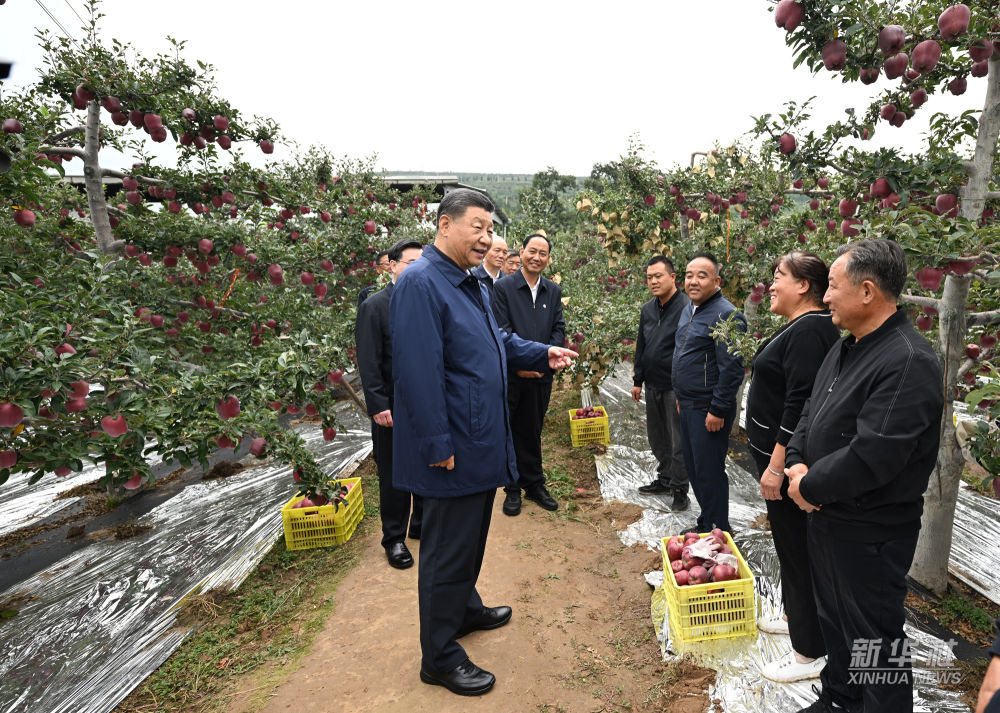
[[580, 640]]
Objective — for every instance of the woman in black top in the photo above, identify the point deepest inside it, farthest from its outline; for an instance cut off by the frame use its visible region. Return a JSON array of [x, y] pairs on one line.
[[784, 369]]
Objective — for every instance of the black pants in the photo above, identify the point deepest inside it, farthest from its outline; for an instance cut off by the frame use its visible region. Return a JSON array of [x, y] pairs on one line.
[[393, 504], [860, 588], [705, 459], [788, 530], [663, 429], [452, 545], [528, 400]]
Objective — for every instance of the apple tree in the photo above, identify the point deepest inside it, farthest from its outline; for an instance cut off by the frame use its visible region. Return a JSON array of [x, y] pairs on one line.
[[938, 204], [193, 306]]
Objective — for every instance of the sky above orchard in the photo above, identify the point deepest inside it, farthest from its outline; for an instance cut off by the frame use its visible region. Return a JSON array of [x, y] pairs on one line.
[[512, 87]]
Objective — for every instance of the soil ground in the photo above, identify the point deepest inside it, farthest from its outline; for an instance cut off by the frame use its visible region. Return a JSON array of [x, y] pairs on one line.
[[580, 639]]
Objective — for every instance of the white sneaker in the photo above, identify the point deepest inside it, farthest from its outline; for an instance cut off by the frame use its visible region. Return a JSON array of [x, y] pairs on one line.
[[787, 669], [774, 624]]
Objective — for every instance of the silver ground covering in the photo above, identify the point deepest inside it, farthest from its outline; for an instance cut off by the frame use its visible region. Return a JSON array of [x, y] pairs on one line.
[[94, 625], [740, 688]]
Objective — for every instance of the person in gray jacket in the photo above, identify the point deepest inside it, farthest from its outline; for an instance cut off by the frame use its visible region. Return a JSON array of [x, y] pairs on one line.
[[654, 357], [706, 377]]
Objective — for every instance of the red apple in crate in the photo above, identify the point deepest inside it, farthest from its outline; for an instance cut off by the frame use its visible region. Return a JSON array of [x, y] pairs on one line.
[[676, 566], [683, 577], [698, 575], [674, 550]]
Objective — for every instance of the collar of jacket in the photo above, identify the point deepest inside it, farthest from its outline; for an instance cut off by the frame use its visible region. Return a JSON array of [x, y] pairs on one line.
[[716, 295], [896, 320], [446, 266], [519, 276]]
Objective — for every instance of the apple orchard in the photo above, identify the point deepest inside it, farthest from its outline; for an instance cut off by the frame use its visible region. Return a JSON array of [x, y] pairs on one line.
[[206, 297]]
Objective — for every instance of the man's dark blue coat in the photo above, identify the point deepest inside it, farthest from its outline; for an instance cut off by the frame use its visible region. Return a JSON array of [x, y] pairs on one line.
[[450, 373]]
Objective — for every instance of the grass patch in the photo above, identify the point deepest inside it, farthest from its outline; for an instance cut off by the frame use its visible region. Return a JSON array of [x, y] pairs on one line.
[[271, 620], [956, 608]]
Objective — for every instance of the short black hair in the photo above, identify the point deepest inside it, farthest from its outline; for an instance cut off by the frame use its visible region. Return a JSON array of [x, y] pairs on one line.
[[513, 253], [665, 260], [396, 251], [708, 256], [456, 202], [881, 261], [381, 254], [524, 243]]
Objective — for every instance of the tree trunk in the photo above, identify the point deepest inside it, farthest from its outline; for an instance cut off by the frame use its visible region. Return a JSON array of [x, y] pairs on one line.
[[94, 184], [930, 563]]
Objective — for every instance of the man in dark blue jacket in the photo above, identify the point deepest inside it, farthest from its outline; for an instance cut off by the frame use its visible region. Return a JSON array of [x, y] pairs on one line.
[[530, 306], [654, 358], [706, 377], [451, 434], [859, 463], [374, 343]]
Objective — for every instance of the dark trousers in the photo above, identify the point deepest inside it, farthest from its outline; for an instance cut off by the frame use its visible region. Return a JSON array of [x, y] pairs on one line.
[[860, 588], [705, 458], [393, 504], [663, 428], [452, 545], [528, 400], [788, 530]]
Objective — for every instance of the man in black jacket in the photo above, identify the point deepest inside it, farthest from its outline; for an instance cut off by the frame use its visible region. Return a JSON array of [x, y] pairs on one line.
[[530, 306], [371, 333], [381, 267], [859, 463], [654, 356], [491, 268]]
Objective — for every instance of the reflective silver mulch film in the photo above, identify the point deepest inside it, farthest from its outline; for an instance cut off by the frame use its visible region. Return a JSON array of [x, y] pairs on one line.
[[739, 685], [94, 625]]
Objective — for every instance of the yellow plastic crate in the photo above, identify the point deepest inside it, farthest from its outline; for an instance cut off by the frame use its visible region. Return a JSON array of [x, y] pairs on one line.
[[324, 525], [729, 611], [589, 430]]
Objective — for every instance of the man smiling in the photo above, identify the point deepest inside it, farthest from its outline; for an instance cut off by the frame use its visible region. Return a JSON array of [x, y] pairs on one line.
[[451, 434], [530, 306], [706, 377]]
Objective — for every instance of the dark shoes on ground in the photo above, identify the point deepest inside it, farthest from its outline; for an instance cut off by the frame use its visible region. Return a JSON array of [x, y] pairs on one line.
[[399, 556], [466, 679], [540, 495], [680, 502], [491, 618], [823, 705], [512, 504], [654, 488]]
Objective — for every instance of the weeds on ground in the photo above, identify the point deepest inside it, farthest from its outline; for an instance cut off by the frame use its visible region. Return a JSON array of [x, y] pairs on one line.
[[272, 618], [957, 608]]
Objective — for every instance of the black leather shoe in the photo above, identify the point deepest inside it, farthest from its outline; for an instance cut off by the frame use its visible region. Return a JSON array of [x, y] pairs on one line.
[[694, 529], [541, 496], [465, 680], [512, 504], [491, 618], [399, 556], [681, 501], [654, 488]]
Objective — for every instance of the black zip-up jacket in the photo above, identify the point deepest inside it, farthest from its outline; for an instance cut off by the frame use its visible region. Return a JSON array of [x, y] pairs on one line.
[[784, 370], [870, 433], [374, 342], [654, 347]]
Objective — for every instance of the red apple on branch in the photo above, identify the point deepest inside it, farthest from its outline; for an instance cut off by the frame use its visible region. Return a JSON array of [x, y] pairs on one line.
[[896, 65], [228, 408], [954, 21], [926, 56], [786, 143], [788, 15], [891, 39], [10, 415], [834, 54], [114, 426]]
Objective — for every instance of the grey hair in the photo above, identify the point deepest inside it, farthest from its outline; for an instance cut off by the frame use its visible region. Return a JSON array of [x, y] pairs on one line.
[[456, 202], [881, 261]]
